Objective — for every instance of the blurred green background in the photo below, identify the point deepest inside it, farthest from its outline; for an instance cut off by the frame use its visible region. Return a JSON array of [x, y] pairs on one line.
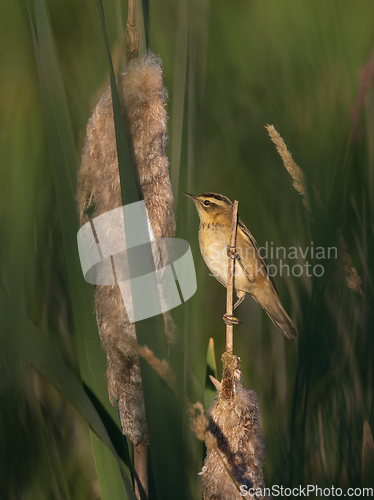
[[230, 68]]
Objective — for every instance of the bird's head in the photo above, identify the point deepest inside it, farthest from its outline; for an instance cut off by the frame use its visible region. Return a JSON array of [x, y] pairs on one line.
[[212, 207]]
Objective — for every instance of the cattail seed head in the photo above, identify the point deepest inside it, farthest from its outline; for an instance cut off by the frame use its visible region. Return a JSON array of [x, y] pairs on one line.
[[142, 98], [235, 449]]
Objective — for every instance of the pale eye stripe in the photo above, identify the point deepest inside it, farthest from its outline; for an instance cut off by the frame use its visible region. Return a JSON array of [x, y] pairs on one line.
[[218, 197]]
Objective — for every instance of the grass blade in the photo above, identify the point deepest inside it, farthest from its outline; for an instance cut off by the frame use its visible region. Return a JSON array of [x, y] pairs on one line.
[[64, 166], [29, 342], [128, 186], [145, 5], [164, 411]]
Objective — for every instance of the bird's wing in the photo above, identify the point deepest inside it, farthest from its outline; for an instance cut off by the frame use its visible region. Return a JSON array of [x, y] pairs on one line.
[[219, 279], [248, 236]]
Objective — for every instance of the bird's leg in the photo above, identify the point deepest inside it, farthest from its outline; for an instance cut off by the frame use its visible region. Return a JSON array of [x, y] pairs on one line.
[[230, 319], [241, 297], [236, 256], [232, 254]]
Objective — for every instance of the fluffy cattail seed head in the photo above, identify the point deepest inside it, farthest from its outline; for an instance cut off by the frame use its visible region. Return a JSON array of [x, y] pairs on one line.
[[142, 98], [235, 449]]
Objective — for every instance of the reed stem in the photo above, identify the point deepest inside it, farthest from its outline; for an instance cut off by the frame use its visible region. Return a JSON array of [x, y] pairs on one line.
[[230, 280]]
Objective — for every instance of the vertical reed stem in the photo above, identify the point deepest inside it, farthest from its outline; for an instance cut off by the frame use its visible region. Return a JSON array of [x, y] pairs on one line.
[[230, 280], [132, 34], [140, 450], [140, 468]]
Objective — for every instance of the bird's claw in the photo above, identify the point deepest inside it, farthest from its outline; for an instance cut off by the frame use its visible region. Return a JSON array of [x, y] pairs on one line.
[[229, 319], [232, 254]]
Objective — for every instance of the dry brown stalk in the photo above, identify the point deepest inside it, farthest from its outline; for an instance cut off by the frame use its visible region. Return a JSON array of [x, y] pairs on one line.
[[140, 471], [230, 280], [292, 168], [132, 34]]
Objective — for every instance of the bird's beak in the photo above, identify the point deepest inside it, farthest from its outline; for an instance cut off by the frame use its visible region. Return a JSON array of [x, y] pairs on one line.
[[192, 196], [196, 201]]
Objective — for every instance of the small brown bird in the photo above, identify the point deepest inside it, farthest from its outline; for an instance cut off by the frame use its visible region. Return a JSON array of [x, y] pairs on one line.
[[251, 272]]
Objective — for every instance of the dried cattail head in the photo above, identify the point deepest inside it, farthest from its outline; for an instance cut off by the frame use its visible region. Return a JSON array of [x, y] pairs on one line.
[[142, 98], [234, 442]]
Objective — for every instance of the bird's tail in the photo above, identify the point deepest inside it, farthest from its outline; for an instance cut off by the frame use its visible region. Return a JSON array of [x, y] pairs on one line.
[[280, 318], [278, 315]]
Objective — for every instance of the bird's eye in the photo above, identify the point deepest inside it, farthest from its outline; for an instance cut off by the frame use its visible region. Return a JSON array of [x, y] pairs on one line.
[[206, 203]]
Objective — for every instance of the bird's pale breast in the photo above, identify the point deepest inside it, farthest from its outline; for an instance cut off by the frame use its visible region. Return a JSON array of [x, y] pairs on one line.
[[214, 240]]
